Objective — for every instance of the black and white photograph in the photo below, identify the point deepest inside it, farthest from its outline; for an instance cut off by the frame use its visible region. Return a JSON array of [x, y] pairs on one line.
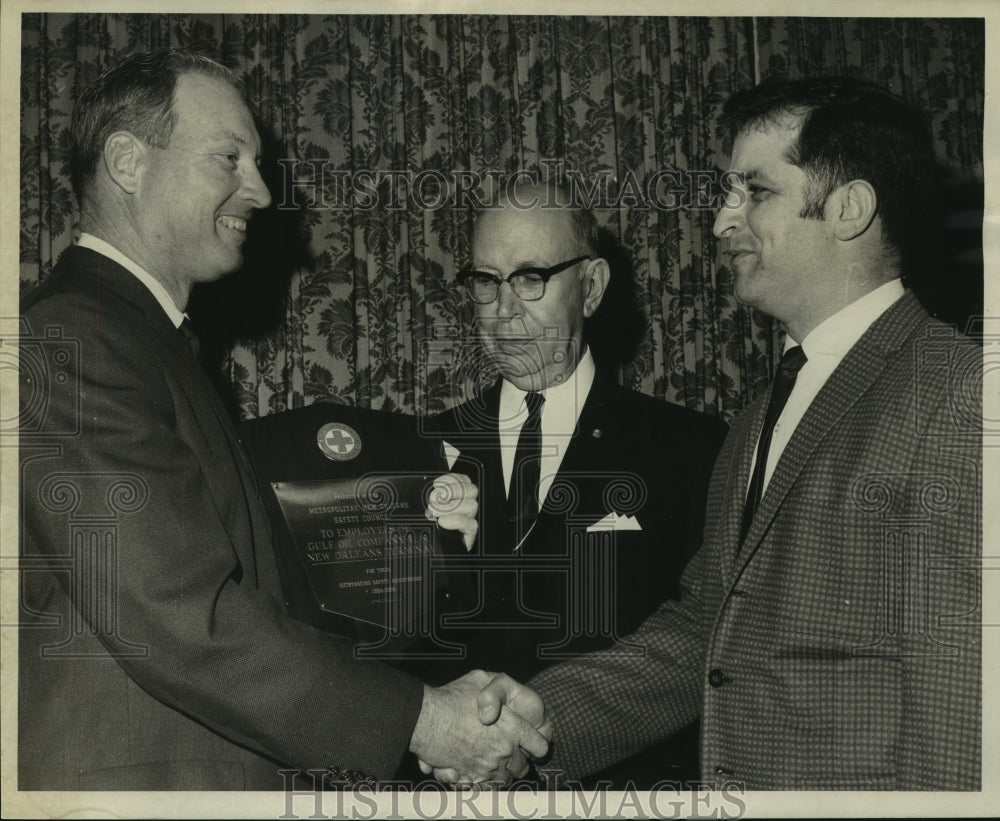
[[467, 411]]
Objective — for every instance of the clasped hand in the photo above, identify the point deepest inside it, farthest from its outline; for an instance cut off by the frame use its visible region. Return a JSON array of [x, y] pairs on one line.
[[453, 504], [480, 728]]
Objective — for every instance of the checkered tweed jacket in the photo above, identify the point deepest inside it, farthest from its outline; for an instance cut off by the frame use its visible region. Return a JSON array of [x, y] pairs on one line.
[[840, 648]]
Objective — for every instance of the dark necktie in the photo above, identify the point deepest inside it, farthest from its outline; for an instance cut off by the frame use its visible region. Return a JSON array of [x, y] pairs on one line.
[[187, 330], [784, 381], [522, 501]]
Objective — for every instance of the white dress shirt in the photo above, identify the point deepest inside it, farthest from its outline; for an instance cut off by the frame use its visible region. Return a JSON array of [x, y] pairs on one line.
[[560, 413], [176, 315], [825, 346]]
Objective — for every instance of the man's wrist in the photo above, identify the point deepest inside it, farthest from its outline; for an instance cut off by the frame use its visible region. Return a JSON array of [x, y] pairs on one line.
[[419, 740]]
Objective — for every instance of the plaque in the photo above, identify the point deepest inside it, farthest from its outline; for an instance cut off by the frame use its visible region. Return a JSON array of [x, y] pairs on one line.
[[365, 546], [325, 462]]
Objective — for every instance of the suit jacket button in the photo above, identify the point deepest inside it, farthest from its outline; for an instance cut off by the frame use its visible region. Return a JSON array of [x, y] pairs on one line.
[[717, 678]]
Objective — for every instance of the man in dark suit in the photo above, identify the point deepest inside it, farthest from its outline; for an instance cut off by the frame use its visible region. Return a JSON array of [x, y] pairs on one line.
[[828, 631], [155, 650], [613, 495]]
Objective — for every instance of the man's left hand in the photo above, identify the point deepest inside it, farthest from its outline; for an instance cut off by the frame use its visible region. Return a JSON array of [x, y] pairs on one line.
[[454, 504]]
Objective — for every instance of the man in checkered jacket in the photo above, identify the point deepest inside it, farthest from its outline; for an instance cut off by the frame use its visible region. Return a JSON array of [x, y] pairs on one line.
[[828, 630]]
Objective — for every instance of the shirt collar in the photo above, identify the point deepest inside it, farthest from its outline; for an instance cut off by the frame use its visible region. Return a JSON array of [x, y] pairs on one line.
[[568, 395], [154, 286], [838, 333]]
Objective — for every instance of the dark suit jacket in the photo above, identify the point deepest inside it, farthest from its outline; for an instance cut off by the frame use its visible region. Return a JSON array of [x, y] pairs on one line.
[[840, 648], [155, 650], [568, 591]]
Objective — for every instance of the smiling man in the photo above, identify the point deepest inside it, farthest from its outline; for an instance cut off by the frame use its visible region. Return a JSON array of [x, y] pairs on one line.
[[828, 631], [592, 496], [174, 197], [155, 651]]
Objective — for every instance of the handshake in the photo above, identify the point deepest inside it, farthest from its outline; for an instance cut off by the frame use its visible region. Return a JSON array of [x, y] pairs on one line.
[[480, 728]]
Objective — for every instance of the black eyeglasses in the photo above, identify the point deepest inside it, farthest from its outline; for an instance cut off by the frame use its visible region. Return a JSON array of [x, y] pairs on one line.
[[528, 283]]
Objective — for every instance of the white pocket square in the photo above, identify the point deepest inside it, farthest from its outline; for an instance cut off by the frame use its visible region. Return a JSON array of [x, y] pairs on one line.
[[615, 523], [451, 454]]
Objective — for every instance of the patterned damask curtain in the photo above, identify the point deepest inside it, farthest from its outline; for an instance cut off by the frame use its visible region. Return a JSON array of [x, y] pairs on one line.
[[351, 298]]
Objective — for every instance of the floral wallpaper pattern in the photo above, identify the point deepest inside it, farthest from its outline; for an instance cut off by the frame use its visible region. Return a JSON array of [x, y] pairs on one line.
[[375, 128]]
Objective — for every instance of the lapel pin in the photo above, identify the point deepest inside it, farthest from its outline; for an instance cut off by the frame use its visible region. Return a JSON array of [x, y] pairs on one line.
[[596, 433]]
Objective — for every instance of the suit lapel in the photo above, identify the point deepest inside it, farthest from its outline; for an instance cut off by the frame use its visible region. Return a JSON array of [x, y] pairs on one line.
[[106, 275], [579, 456], [480, 460], [747, 429], [563, 500], [593, 432], [112, 277], [109, 276], [857, 372]]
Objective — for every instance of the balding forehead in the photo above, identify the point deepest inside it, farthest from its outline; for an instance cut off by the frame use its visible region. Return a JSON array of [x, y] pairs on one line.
[[557, 222], [509, 237]]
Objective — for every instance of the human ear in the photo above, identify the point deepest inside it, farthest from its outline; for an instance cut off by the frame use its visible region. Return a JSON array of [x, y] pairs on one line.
[[124, 159], [597, 282], [856, 205]]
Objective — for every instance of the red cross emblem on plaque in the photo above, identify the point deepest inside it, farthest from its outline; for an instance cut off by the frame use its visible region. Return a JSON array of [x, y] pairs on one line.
[[338, 441]]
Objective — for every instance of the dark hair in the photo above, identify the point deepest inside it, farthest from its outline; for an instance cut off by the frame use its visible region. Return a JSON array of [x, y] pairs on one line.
[[136, 95], [850, 129]]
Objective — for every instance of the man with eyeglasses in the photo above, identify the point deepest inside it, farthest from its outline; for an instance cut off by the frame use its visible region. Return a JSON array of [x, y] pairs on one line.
[[591, 496]]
